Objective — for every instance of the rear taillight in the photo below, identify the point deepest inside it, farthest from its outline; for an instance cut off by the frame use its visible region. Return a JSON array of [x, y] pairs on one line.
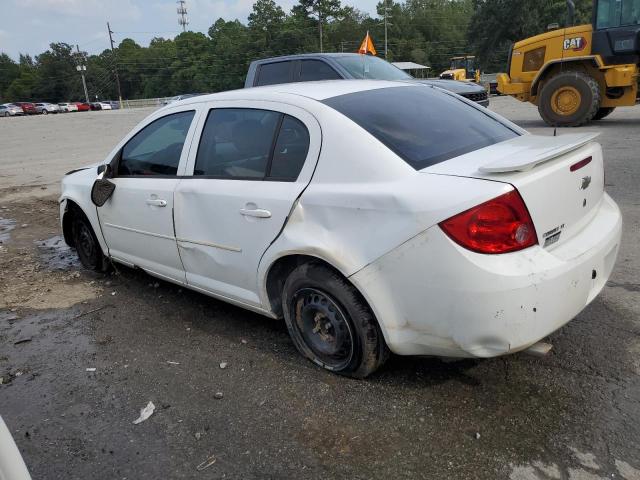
[[500, 225]]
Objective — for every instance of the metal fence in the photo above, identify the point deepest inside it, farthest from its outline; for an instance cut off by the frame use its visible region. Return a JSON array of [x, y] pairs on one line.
[[146, 102]]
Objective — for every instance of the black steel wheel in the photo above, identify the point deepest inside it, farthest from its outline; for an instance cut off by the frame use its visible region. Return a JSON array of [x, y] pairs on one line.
[[330, 323], [86, 244], [323, 327]]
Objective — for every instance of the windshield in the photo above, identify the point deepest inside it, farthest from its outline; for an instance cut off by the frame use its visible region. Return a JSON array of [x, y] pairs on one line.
[[366, 66], [617, 13], [422, 125]]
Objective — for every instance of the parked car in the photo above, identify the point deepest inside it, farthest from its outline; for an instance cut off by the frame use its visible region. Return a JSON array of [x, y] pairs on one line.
[[27, 107], [83, 106], [12, 466], [105, 105], [10, 110], [95, 106], [45, 108], [334, 66], [115, 105], [68, 107], [184, 96], [486, 238]]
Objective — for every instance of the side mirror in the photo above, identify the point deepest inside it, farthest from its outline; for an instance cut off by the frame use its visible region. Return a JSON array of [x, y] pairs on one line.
[[101, 191]]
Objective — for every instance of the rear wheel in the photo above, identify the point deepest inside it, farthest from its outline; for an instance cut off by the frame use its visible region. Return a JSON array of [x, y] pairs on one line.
[[603, 112], [86, 244], [44, 111], [330, 323], [569, 99]]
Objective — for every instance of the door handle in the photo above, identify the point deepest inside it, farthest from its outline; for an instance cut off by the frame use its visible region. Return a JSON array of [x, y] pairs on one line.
[[255, 212], [156, 202]]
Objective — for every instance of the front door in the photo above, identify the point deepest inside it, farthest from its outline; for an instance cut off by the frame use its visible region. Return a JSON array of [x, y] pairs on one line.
[[137, 221], [251, 165]]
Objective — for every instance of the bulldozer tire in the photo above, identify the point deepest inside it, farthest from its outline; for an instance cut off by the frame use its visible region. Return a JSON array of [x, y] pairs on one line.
[[603, 112], [569, 99]]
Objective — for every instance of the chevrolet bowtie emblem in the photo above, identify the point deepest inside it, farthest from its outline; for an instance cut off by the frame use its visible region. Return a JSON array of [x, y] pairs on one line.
[[586, 181]]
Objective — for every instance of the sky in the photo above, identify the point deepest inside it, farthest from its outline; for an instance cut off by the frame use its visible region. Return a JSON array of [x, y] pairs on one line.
[[29, 26]]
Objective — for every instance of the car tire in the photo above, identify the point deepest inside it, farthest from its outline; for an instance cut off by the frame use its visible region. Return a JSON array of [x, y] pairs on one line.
[[330, 323], [569, 99], [603, 112], [44, 112], [86, 243]]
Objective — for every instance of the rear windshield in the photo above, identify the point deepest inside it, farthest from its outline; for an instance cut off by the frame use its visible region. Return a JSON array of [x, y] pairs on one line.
[[422, 125]]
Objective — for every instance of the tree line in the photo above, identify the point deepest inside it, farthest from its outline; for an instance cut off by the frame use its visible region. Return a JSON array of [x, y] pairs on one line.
[[423, 31]]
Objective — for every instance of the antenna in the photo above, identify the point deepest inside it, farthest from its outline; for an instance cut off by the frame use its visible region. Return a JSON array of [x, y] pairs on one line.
[[386, 25], [182, 12]]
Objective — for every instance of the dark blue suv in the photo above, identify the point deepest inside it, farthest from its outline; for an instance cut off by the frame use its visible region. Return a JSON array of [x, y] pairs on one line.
[[336, 66]]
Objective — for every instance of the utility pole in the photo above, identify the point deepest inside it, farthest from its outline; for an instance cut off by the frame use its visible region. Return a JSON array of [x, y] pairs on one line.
[[320, 28], [182, 12], [81, 67], [386, 24], [115, 64]]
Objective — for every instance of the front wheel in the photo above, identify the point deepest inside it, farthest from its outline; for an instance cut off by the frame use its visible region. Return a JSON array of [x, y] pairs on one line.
[[44, 112], [330, 323], [86, 244], [569, 99]]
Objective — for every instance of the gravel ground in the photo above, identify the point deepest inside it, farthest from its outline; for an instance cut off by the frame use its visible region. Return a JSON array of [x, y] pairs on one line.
[[571, 415]]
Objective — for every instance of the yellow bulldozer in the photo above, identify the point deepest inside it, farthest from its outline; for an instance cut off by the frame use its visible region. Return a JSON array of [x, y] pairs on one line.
[[462, 68], [579, 73]]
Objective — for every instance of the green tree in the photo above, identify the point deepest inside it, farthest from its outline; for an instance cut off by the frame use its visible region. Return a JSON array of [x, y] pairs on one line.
[[9, 71], [322, 11]]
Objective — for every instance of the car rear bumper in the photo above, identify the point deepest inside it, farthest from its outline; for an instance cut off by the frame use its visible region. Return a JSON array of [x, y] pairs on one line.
[[433, 297]]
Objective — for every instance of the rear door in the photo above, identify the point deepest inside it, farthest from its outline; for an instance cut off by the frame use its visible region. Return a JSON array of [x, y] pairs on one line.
[[253, 161]]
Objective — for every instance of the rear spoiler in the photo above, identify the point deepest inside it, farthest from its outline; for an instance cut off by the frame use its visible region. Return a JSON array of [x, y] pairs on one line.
[[539, 149]]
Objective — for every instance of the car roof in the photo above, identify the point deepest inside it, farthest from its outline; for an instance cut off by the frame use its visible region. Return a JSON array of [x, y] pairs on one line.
[[320, 90], [305, 55]]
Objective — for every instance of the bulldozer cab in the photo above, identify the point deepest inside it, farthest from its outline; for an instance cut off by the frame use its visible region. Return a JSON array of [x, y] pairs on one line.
[[465, 63], [616, 30], [462, 68]]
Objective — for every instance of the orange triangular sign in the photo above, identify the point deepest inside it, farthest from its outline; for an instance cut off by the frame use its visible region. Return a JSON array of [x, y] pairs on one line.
[[367, 46]]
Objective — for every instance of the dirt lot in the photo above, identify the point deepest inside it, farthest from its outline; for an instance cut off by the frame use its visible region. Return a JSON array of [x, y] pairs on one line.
[[571, 415]]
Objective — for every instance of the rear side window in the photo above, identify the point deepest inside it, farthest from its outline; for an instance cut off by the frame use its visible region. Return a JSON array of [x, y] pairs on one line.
[[311, 70], [290, 150], [251, 144], [421, 125], [273, 73], [236, 143], [156, 149]]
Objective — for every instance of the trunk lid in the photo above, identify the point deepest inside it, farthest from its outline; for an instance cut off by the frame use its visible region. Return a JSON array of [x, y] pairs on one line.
[[560, 193]]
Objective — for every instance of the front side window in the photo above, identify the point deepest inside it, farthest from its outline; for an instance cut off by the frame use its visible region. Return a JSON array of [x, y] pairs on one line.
[[368, 67], [311, 70], [423, 126], [251, 144], [156, 149]]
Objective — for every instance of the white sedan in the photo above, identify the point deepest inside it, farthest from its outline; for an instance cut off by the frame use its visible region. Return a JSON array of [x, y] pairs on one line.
[[68, 107], [371, 215]]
